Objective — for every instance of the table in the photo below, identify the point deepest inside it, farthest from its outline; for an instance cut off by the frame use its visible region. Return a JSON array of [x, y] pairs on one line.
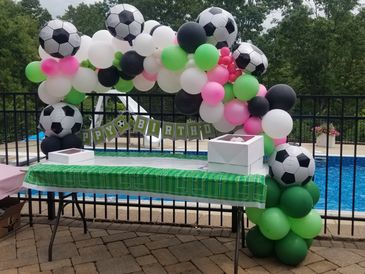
[[11, 180], [160, 175]]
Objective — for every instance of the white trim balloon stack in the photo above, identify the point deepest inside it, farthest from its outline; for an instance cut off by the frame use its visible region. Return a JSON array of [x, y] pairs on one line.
[[195, 63]]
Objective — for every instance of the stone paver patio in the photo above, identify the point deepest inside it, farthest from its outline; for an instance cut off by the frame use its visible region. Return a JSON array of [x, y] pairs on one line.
[[135, 248]]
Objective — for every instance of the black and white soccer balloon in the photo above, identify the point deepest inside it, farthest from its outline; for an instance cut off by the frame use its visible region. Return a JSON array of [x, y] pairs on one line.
[[219, 25], [291, 165], [124, 22], [60, 120], [59, 38], [250, 58]]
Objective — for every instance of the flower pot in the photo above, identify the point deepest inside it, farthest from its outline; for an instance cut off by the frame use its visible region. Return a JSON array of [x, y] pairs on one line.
[[322, 140]]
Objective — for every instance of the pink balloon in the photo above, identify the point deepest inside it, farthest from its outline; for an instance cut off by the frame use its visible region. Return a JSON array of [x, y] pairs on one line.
[[280, 141], [226, 60], [69, 65], [236, 112], [225, 51], [212, 93], [50, 67], [262, 91], [149, 76], [253, 126], [219, 74]]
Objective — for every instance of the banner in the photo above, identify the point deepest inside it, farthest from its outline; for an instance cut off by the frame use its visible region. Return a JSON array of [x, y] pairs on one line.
[[191, 130]]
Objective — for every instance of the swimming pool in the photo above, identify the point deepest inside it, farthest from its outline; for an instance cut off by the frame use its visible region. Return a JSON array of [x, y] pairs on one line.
[[346, 186]]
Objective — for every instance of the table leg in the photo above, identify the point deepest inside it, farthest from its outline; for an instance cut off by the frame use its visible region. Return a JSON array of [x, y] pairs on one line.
[[54, 230], [74, 197], [238, 238]]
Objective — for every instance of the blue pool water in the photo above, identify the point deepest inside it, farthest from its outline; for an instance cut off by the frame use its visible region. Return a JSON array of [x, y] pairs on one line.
[[345, 182]]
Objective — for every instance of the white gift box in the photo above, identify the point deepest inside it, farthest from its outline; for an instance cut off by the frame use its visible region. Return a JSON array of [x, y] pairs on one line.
[[70, 156], [242, 156]]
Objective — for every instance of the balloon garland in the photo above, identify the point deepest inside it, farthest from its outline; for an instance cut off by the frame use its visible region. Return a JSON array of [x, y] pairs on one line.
[[195, 63]]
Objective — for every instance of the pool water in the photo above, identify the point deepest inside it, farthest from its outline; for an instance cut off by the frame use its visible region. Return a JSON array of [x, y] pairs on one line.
[[345, 182]]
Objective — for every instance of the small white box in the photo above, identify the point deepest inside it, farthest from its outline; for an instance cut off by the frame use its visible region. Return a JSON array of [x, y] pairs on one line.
[[242, 157], [71, 155]]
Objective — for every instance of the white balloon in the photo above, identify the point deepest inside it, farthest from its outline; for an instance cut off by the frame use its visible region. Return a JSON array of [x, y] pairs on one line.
[[192, 80], [57, 86], [45, 96], [241, 131], [149, 25], [143, 44], [101, 54], [169, 81], [120, 45], [82, 53], [103, 36], [211, 114], [99, 88], [43, 54], [85, 80], [223, 125], [163, 36], [190, 64], [142, 83], [151, 65], [277, 123]]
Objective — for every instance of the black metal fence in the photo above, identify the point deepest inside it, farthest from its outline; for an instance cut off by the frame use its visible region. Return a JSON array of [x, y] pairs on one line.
[[341, 196]]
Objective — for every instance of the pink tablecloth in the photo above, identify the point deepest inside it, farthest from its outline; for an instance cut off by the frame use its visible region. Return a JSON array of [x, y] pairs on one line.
[[11, 180]]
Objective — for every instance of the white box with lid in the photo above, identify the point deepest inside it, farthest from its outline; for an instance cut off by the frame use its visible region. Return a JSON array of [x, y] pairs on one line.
[[242, 155]]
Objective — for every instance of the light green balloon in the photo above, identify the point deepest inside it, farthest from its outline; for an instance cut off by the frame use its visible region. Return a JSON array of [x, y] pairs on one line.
[[274, 224], [245, 87], [34, 73], [118, 55], [254, 214], [74, 97], [124, 85], [307, 227], [206, 57], [174, 58], [228, 93], [269, 145]]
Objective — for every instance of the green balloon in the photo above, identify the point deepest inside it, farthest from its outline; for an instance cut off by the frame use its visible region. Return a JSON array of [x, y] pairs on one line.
[[274, 224], [273, 192], [124, 85], [245, 87], [254, 214], [74, 97], [258, 244], [174, 58], [118, 55], [296, 202], [269, 145], [206, 57], [291, 250], [307, 227], [314, 191], [116, 63], [228, 93], [308, 242], [34, 73]]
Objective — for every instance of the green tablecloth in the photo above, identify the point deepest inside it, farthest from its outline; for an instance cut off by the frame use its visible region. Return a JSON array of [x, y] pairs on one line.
[[174, 183]]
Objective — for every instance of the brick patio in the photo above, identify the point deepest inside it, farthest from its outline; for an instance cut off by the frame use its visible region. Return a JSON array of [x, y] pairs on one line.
[[134, 248]]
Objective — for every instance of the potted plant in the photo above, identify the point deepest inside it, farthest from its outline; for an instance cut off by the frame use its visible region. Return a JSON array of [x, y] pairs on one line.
[[322, 131]]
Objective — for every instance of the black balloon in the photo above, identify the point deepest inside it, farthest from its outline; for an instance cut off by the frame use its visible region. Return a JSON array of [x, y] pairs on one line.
[[71, 141], [50, 144], [190, 36], [281, 96], [188, 104], [132, 63], [125, 76], [258, 106], [108, 77]]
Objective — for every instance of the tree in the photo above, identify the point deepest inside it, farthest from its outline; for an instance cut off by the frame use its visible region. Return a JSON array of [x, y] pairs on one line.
[[33, 7]]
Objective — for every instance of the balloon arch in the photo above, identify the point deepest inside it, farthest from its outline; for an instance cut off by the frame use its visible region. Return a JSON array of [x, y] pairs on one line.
[[210, 75]]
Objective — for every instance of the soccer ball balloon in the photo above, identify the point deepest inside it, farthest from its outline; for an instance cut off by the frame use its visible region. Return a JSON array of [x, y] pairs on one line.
[[59, 38], [250, 58], [60, 120], [219, 25], [124, 22], [291, 165]]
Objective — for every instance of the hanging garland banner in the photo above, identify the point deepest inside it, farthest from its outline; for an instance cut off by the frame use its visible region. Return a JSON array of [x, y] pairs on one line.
[[191, 130]]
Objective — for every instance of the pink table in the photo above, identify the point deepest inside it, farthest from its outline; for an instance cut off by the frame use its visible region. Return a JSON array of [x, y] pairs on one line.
[[11, 180]]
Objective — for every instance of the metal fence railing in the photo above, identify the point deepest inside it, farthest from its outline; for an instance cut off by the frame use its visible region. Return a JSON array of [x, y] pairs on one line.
[[340, 170]]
